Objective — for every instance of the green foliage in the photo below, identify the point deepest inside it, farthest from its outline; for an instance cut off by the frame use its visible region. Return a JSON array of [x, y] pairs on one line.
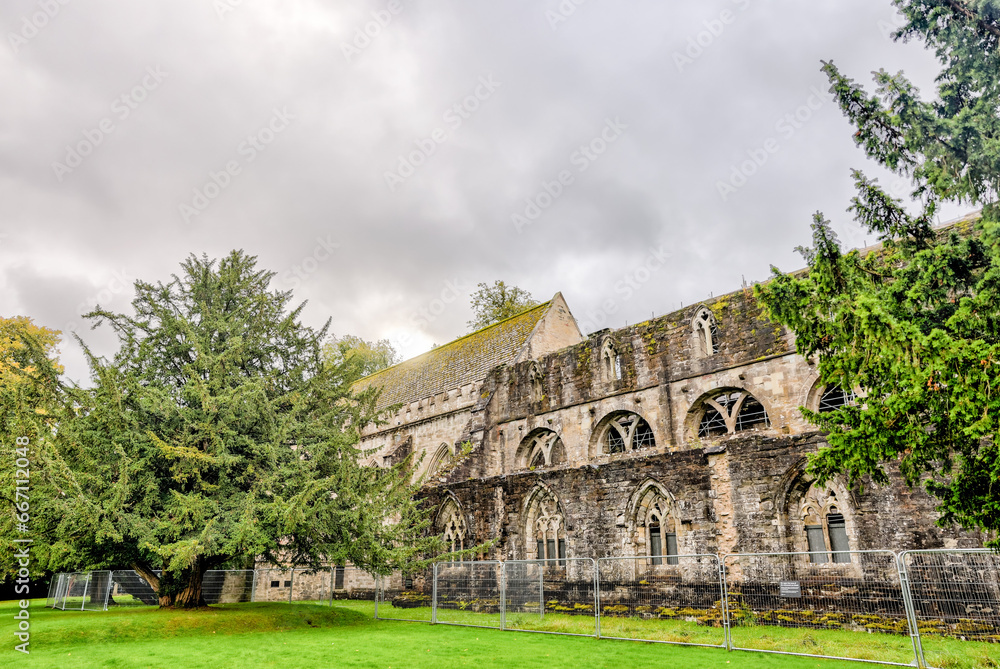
[[218, 434], [373, 356], [914, 324], [492, 304]]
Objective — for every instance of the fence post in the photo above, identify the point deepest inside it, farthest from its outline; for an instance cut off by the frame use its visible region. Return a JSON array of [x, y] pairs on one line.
[[378, 592], [291, 584], [333, 575], [434, 594], [541, 590], [911, 611], [86, 587], [503, 595], [253, 587], [597, 597], [724, 586]]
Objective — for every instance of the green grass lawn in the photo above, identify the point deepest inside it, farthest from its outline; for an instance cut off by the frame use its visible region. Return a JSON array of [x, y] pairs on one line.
[[264, 635]]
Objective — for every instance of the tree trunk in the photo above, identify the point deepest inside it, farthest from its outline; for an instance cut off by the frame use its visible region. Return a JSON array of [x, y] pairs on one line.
[[176, 591]]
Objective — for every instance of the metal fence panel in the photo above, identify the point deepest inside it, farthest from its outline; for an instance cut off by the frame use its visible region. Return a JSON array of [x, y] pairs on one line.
[[311, 585], [350, 582], [554, 596], [468, 593], [56, 588], [955, 598], [849, 608], [130, 589], [273, 585], [674, 599], [97, 591], [406, 596], [227, 586]]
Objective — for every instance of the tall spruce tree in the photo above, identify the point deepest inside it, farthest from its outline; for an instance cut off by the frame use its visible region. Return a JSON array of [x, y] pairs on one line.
[[218, 435], [914, 323]]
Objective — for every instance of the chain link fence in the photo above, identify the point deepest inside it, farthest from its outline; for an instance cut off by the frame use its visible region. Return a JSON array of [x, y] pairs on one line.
[[674, 599], [955, 598], [80, 591], [850, 607], [557, 596]]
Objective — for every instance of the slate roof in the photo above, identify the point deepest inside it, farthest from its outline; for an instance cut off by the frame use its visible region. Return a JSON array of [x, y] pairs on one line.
[[466, 360]]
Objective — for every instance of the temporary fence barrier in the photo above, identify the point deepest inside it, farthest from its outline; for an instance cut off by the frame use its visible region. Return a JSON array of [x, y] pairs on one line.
[[928, 608], [954, 596], [669, 599], [406, 596], [556, 596], [772, 598]]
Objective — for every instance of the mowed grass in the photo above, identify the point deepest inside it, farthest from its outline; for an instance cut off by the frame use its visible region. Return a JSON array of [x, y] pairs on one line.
[[263, 635]]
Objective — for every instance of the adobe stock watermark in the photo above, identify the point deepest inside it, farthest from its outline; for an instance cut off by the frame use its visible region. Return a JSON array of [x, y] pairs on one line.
[[247, 152], [787, 125], [562, 13], [121, 108], [118, 284], [453, 117], [713, 29], [366, 33], [32, 24], [22, 557], [626, 287], [581, 158], [224, 7], [302, 271]]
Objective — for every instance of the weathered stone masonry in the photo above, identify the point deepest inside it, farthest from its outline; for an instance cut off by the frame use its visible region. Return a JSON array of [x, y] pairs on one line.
[[678, 435]]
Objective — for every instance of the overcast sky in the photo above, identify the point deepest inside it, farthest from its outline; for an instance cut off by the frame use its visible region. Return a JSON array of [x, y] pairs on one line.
[[384, 157]]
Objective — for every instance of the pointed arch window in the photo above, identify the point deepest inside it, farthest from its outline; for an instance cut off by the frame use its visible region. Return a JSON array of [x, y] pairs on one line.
[[731, 411], [454, 527], [825, 526], [656, 525], [706, 332], [443, 457], [611, 362], [624, 432], [835, 397], [546, 529], [541, 448]]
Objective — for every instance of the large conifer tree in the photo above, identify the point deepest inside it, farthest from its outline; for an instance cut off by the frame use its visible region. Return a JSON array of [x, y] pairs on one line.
[[914, 324], [217, 435]]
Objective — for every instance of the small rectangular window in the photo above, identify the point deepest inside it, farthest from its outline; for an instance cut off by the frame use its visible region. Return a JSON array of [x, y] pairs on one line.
[[562, 552], [288, 584], [275, 584], [550, 549], [817, 544], [672, 548], [541, 549], [338, 583], [838, 537]]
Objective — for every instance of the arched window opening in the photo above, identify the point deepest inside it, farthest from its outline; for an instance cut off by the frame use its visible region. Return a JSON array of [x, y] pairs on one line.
[[541, 448], [706, 332], [442, 459], [825, 526], [731, 411], [656, 525], [537, 386], [545, 529], [455, 529], [611, 362], [835, 397], [627, 432]]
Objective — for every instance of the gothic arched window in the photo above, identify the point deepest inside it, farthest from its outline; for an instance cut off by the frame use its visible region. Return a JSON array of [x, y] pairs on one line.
[[706, 332], [452, 521], [443, 457], [624, 431], [731, 411], [545, 529], [825, 526], [835, 397], [541, 448], [655, 523], [611, 362]]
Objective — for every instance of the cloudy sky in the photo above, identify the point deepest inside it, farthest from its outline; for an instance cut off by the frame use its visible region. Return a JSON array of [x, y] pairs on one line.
[[385, 156]]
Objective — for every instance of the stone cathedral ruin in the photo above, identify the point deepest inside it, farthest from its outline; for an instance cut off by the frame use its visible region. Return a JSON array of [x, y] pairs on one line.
[[677, 436]]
